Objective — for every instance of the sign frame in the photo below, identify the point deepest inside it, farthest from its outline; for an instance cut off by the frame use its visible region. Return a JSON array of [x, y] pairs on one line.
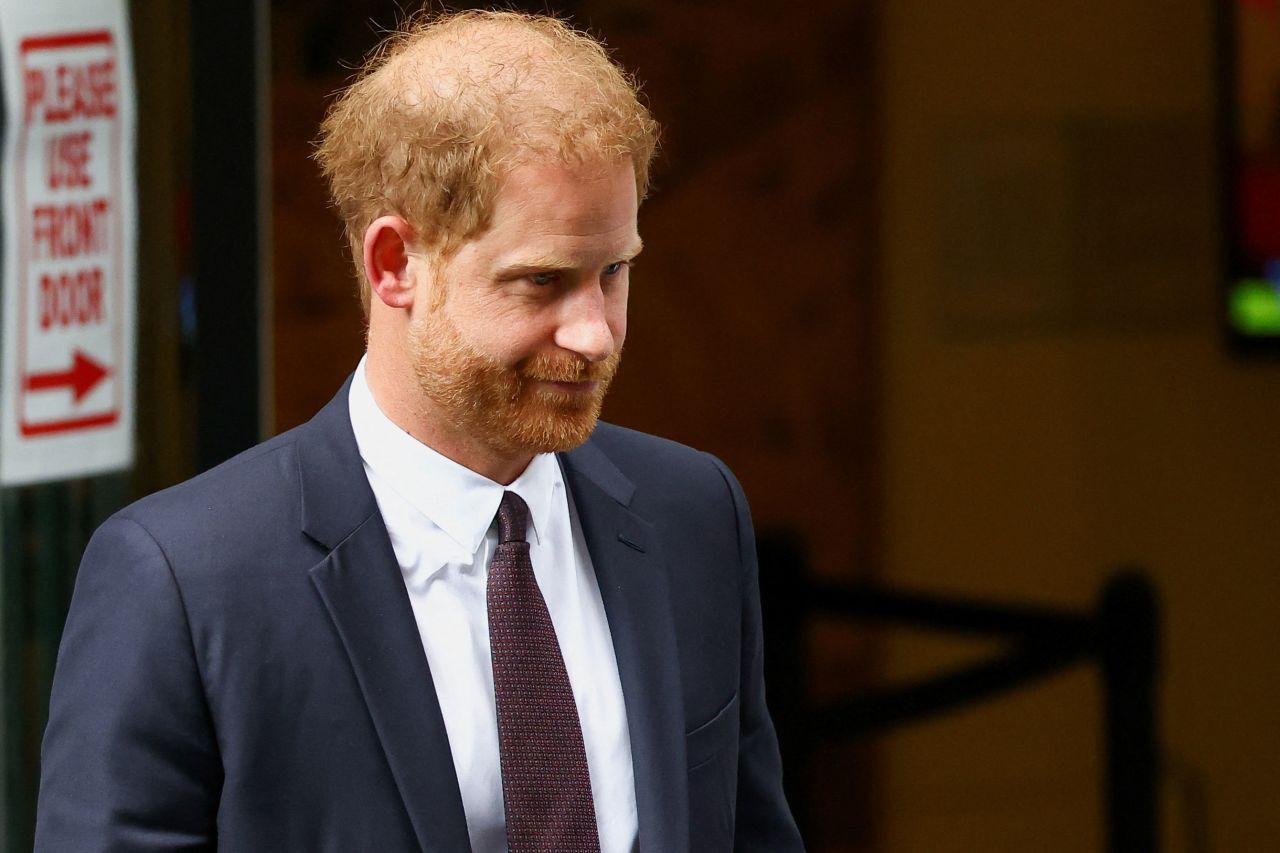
[[77, 428]]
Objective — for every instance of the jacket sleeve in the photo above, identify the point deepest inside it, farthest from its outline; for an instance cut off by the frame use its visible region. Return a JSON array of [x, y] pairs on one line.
[[129, 760], [763, 818]]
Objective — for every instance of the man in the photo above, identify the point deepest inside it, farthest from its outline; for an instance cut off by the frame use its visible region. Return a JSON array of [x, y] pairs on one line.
[[451, 612]]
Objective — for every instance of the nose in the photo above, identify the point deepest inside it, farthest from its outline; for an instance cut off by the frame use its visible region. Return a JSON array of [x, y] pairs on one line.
[[588, 325]]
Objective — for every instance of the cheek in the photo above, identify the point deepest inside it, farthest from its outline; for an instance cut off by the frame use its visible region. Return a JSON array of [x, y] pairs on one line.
[[513, 337], [484, 320], [619, 330], [616, 317]]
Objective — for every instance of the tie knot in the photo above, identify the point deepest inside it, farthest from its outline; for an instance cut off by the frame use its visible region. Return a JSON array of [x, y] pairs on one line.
[[513, 518]]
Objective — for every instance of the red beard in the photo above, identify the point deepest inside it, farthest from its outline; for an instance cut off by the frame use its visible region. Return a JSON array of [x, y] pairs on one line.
[[508, 408]]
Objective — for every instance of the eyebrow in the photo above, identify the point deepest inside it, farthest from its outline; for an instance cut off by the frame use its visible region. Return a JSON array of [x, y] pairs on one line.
[[558, 262]]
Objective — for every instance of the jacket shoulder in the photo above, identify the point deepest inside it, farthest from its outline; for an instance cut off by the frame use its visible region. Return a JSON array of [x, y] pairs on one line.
[[667, 471], [262, 472], [631, 449]]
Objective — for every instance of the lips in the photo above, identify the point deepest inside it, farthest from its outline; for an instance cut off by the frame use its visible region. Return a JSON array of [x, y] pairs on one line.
[[569, 376], [573, 387], [572, 377]]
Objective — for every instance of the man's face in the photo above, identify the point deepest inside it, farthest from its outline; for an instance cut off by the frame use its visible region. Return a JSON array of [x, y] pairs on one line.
[[520, 350]]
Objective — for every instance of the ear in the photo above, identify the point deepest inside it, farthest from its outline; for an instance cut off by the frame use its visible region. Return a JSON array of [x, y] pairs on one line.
[[386, 260]]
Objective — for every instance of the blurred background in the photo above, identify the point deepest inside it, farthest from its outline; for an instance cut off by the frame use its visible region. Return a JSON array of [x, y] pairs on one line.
[[977, 299]]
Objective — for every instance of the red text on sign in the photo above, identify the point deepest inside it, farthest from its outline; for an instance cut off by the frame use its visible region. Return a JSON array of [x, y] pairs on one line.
[[65, 93], [67, 161], [71, 298], [69, 230]]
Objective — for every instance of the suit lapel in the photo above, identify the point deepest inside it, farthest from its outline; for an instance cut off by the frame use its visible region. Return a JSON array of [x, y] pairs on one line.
[[364, 595], [633, 583]]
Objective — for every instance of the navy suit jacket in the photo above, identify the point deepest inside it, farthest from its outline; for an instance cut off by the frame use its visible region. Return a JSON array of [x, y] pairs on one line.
[[241, 669]]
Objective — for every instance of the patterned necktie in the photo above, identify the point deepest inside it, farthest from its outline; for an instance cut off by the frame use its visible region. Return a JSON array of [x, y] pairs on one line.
[[546, 788]]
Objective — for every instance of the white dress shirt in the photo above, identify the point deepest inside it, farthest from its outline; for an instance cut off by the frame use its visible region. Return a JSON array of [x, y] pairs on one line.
[[440, 516]]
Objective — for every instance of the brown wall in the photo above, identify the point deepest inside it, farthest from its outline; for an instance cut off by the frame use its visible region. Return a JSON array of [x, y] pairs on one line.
[[1062, 403]]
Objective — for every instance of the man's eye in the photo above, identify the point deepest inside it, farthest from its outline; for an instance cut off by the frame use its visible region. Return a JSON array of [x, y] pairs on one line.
[[542, 278], [614, 268]]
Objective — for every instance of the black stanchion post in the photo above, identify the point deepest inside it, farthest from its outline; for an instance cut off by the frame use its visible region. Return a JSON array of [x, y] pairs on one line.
[[783, 592], [1128, 623]]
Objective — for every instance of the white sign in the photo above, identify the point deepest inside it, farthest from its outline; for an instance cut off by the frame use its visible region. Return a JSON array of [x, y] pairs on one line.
[[69, 251]]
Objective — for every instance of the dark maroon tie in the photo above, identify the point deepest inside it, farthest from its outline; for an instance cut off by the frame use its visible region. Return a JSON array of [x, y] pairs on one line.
[[546, 788]]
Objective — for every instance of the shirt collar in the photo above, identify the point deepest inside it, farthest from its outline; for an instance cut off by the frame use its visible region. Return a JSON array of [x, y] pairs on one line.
[[456, 499]]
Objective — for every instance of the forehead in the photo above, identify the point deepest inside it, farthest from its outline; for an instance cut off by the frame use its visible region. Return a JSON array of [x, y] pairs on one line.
[[548, 185], [548, 199]]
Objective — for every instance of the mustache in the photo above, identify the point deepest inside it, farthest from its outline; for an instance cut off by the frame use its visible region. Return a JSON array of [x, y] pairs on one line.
[[546, 368]]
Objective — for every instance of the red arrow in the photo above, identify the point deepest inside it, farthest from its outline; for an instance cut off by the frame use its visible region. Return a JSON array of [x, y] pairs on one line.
[[84, 374]]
